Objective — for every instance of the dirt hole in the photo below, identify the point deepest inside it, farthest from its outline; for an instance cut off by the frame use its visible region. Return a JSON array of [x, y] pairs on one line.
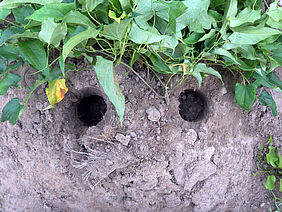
[[192, 105], [91, 110]]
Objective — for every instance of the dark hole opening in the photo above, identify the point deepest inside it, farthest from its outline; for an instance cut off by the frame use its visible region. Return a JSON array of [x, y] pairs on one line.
[[192, 105], [91, 110]]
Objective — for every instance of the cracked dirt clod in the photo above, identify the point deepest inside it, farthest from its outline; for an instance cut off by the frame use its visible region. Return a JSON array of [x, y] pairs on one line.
[[153, 114], [123, 139]]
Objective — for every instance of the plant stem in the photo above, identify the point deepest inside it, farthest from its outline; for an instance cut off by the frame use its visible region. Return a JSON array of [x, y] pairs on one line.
[[88, 12], [144, 81]]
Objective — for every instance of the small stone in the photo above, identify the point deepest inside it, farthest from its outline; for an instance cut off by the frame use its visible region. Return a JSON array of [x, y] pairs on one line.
[[36, 117], [223, 91], [153, 114], [109, 163], [191, 136], [123, 139], [158, 131], [262, 204]]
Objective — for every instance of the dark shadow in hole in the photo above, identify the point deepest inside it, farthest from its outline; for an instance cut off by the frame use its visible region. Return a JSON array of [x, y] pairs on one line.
[[192, 105], [91, 109]]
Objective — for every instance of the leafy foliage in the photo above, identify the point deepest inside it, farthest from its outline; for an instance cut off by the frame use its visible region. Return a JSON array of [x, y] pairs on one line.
[[171, 37], [270, 164]]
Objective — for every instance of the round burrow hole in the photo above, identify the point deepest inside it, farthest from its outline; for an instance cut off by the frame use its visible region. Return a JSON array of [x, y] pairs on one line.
[[192, 105], [91, 109]]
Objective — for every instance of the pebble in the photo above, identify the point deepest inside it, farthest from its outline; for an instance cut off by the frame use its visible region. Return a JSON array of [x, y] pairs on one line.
[[36, 117], [153, 114], [223, 91], [123, 139], [158, 131], [191, 136]]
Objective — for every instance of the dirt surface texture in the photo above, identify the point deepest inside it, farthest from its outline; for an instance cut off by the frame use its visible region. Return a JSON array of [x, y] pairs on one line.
[[155, 161]]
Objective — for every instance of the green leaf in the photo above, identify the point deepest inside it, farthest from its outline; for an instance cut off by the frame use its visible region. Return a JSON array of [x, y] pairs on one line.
[[75, 17], [21, 13], [10, 80], [138, 35], [223, 52], [73, 41], [202, 68], [159, 65], [280, 185], [13, 67], [229, 12], [274, 80], [107, 78], [275, 12], [271, 156], [34, 53], [269, 81], [62, 66], [193, 38], [169, 42], [115, 4], [51, 32], [9, 4], [247, 51], [208, 36], [8, 33], [12, 111], [270, 182], [280, 160], [126, 5], [242, 65], [3, 64], [34, 26], [115, 31], [245, 16], [26, 34], [195, 16], [175, 9], [277, 54], [265, 99], [274, 24], [92, 4], [77, 30], [4, 13], [245, 95], [251, 35], [144, 13], [56, 11]]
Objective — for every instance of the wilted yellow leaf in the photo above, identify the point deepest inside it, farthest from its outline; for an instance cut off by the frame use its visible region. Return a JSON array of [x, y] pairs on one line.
[[56, 91], [113, 15]]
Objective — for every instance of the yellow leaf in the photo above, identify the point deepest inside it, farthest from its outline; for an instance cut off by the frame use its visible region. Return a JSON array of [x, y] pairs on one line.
[[113, 15], [56, 91]]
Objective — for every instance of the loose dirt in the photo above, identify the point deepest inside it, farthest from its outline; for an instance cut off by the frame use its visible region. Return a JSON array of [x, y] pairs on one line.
[[155, 161]]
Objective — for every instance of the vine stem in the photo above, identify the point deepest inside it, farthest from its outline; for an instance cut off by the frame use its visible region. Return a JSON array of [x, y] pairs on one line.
[[144, 81], [88, 12]]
